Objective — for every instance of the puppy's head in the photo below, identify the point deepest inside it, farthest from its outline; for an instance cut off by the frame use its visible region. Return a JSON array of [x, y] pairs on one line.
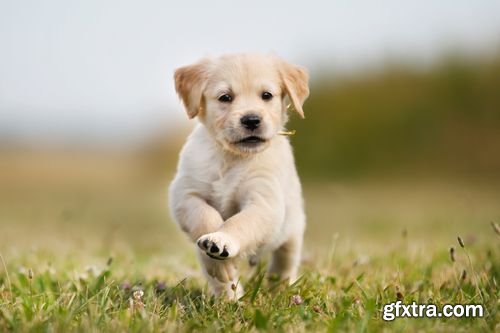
[[242, 99]]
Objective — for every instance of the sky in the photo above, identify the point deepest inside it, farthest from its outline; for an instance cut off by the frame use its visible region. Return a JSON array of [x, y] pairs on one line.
[[101, 71]]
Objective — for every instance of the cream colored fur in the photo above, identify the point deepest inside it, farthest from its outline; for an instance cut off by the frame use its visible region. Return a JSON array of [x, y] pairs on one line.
[[240, 200]]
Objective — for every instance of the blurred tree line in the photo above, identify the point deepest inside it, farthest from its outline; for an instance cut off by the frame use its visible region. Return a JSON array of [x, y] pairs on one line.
[[443, 121]]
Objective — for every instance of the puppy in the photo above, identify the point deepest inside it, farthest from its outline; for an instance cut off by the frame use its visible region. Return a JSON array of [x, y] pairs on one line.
[[236, 192]]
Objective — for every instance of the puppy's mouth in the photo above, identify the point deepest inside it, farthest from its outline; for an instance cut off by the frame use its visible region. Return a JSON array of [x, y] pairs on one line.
[[251, 140]]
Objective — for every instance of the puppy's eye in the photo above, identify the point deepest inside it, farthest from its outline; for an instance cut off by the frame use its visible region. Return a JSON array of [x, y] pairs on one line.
[[226, 98], [266, 95]]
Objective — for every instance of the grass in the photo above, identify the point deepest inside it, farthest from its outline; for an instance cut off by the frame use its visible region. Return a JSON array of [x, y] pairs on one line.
[[80, 255], [342, 293]]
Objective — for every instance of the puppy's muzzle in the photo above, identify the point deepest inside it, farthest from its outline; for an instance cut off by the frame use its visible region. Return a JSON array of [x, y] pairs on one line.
[[250, 121]]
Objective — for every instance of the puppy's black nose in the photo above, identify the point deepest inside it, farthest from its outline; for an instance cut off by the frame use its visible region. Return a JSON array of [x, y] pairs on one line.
[[250, 121]]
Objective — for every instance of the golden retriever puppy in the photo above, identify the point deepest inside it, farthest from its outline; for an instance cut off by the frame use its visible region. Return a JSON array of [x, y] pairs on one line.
[[236, 192]]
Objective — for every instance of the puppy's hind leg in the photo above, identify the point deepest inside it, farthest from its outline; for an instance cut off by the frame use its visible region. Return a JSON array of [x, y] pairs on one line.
[[222, 276], [285, 260]]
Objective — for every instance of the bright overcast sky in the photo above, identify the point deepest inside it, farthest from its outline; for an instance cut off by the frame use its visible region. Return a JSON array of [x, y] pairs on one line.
[[103, 69]]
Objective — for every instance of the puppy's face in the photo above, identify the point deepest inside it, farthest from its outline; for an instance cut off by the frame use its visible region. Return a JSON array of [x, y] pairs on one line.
[[241, 99]]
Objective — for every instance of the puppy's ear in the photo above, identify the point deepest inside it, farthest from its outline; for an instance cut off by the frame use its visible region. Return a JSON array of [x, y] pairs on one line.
[[190, 82], [296, 83]]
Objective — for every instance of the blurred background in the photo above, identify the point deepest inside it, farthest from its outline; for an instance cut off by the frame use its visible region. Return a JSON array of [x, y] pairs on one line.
[[401, 138]]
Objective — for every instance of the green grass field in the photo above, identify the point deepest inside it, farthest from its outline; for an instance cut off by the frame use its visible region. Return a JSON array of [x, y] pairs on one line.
[[87, 249]]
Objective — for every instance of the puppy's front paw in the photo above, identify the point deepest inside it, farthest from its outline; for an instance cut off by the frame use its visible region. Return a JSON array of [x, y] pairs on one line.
[[218, 245]]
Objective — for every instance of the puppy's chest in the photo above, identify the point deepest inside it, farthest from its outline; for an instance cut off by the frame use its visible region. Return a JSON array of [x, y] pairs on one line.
[[224, 189]]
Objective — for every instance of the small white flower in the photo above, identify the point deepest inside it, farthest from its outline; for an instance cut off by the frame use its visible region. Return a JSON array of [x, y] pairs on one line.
[[296, 300]]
